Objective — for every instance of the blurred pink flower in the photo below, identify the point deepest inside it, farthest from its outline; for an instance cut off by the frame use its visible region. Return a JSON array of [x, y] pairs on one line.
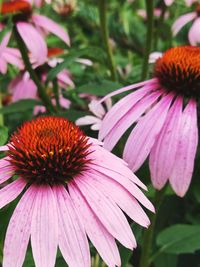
[[188, 2], [99, 112], [73, 189], [37, 3], [194, 32], [163, 111], [31, 27], [9, 55], [154, 56], [157, 13]]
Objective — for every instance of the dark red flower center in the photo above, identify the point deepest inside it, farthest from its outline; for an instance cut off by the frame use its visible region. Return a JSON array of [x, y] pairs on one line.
[[21, 10], [178, 70], [55, 51], [49, 150], [198, 10]]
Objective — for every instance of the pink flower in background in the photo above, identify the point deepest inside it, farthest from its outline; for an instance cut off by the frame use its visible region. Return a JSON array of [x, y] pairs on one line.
[[157, 13], [9, 55], [72, 189], [163, 111], [31, 27], [188, 2], [194, 32], [37, 3], [99, 112]]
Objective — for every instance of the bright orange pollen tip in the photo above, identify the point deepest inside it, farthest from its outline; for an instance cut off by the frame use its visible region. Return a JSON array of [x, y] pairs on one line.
[[184, 57], [55, 51], [15, 7], [49, 150]]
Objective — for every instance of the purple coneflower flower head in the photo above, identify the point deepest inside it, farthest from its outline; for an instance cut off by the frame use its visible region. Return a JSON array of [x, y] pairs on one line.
[[30, 27], [99, 112], [164, 113], [194, 32], [72, 188], [9, 55]]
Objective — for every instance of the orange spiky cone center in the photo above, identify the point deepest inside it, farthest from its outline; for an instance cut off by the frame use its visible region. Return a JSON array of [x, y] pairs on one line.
[[49, 150]]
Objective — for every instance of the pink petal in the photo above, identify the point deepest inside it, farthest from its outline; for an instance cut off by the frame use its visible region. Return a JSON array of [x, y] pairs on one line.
[[4, 42], [107, 212], [168, 2], [154, 56], [120, 196], [107, 160], [127, 184], [72, 237], [18, 232], [52, 27], [187, 146], [121, 108], [3, 66], [163, 153], [144, 134], [4, 148], [129, 87], [87, 120], [129, 119], [34, 41], [99, 236], [97, 109], [181, 21], [194, 32], [11, 191], [44, 227], [65, 79], [6, 173], [12, 59]]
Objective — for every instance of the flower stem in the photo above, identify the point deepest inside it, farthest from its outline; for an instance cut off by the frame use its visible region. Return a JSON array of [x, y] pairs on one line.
[[150, 24], [41, 90], [148, 234], [105, 37]]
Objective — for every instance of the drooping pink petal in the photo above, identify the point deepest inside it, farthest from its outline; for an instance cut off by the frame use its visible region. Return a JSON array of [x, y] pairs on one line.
[[6, 173], [64, 78], [3, 66], [99, 236], [121, 108], [106, 159], [4, 148], [44, 227], [194, 32], [72, 237], [33, 40], [187, 146], [129, 119], [87, 120], [120, 196], [97, 109], [128, 88], [52, 27], [168, 2], [4, 42], [127, 184], [154, 56], [11, 191], [107, 212], [19, 230], [163, 153], [144, 134], [181, 21], [11, 58]]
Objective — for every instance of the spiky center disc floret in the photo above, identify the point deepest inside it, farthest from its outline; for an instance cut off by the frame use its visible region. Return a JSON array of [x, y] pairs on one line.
[[178, 70], [21, 10], [49, 150]]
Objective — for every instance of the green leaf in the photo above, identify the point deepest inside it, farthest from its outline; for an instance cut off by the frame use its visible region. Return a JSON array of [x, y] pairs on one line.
[[180, 238], [20, 106], [93, 53], [166, 260], [100, 89], [3, 135]]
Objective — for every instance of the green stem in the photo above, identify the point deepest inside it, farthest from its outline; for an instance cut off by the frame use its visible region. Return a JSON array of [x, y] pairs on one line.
[[105, 37], [56, 92], [1, 115], [41, 90], [148, 234], [150, 24]]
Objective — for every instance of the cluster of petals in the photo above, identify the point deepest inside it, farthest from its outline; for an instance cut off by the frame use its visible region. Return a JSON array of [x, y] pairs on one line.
[[194, 32], [99, 112], [164, 129], [90, 205], [9, 55], [33, 32]]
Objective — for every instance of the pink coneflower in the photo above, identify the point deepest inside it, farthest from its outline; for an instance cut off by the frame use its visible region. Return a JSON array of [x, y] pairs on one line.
[[72, 187], [99, 112], [30, 27], [194, 32], [9, 55], [188, 2], [165, 112]]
